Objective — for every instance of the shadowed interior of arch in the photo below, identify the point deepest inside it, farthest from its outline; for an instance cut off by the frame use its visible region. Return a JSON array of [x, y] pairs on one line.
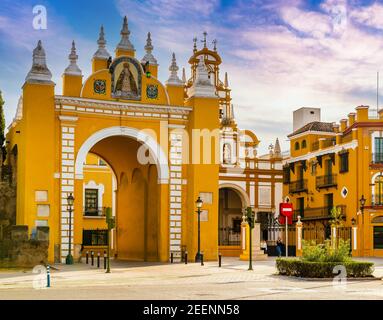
[[136, 235]]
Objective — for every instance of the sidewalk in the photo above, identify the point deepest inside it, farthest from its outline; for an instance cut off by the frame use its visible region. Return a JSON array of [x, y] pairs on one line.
[[129, 280]]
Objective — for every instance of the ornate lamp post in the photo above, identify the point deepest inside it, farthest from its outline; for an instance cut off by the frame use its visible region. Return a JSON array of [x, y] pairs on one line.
[[250, 220], [199, 203], [362, 202], [70, 201]]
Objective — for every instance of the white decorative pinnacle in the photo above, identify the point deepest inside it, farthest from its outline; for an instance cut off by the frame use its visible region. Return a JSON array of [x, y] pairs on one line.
[[183, 75], [125, 43], [101, 52], [149, 48], [202, 86], [226, 81], [39, 71], [277, 149], [73, 68], [173, 78]]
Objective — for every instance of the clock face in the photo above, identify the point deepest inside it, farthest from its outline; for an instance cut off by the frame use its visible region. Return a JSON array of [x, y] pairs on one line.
[[99, 86]]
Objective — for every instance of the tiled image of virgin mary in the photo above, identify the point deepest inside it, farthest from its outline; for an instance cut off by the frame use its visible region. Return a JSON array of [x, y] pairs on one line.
[[126, 84], [126, 79]]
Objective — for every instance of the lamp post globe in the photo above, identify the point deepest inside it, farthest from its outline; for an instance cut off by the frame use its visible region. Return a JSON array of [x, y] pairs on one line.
[[70, 202], [199, 203]]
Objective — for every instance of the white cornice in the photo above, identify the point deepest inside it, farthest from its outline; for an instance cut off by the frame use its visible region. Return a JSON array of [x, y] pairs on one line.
[[350, 145], [92, 103]]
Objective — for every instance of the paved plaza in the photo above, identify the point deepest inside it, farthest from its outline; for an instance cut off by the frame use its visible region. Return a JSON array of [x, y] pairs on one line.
[[178, 281]]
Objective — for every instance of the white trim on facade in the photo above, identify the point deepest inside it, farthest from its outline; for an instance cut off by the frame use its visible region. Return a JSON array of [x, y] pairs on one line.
[[158, 154], [350, 145]]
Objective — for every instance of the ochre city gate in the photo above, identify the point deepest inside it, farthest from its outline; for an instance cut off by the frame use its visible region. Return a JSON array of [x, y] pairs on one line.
[[121, 113]]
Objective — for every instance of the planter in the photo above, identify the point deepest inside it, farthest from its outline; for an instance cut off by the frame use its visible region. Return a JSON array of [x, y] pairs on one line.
[[308, 269]]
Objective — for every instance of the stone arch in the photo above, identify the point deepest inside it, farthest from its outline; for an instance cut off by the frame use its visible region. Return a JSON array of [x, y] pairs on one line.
[[158, 155], [240, 191]]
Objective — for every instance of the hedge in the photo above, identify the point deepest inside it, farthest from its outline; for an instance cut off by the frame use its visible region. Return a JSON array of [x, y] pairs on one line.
[[308, 269]]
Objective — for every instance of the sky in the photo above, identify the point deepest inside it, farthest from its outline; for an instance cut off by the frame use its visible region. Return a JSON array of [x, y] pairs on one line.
[[280, 55]]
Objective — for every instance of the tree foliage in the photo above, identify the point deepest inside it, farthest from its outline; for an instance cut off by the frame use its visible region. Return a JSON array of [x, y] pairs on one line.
[[2, 121]]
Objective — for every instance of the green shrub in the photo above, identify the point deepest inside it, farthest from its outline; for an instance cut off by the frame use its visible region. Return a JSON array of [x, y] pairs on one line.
[[309, 269], [312, 252]]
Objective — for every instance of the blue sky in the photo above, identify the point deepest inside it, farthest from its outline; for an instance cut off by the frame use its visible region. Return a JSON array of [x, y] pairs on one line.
[[280, 55]]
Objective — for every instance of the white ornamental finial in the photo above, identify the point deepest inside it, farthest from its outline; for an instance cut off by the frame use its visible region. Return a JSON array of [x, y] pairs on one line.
[[226, 81], [183, 75], [149, 48], [125, 43], [277, 149], [202, 86], [173, 78], [73, 68], [39, 70], [101, 52]]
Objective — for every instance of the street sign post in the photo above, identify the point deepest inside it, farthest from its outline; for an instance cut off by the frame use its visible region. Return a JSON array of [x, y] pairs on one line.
[[286, 216]]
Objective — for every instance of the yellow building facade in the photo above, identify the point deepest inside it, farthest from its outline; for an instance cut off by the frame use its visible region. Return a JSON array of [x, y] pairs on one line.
[[337, 165], [120, 138]]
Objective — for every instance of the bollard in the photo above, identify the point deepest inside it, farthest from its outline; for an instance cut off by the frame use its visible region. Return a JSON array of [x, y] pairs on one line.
[[104, 259], [87, 257], [186, 257], [98, 259], [202, 259], [48, 276], [92, 257], [171, 257], [219, 260]]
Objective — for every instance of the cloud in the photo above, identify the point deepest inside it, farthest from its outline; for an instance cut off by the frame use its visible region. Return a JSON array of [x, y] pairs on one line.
[[371, 16]]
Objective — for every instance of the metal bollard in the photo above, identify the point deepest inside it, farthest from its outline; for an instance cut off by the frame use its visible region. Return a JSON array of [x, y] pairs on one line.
[[104, 259], [186, 257], [171, 257], [92, 257], [87, 257], [202, 259], [98, 259], [219, 260], [48, 276]]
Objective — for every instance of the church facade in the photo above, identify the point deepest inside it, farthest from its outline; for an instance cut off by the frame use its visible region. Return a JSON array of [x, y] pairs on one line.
[[157, 146]]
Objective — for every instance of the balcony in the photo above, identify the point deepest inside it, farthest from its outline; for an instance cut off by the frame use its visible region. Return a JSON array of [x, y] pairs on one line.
[[326, 181], [94, 212], [319, 213], [377, 158], [298, 186]]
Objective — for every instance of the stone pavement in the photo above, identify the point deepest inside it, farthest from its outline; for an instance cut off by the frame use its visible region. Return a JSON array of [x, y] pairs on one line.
[[130, 280]]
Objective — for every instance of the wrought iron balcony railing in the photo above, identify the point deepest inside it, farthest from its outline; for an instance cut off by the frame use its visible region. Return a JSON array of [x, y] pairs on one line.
[[298, 186], [377, 200], [326, 181], [377, 158], [317, 213], [94, 212]]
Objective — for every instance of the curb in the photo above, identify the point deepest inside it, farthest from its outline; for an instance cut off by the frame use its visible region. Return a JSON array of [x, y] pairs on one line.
[[331, 279]]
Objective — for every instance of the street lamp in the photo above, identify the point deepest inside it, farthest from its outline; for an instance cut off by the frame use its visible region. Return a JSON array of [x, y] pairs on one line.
[[353, 221], [199, 203], [70, 201], [250, 219], [362, 203]]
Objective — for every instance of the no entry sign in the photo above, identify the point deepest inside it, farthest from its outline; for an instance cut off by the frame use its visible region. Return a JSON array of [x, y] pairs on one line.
[[286, 211]]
